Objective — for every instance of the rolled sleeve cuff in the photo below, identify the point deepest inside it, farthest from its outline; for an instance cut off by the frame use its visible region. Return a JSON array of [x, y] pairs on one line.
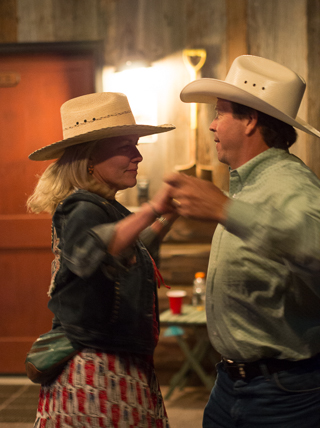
[[93, 253]]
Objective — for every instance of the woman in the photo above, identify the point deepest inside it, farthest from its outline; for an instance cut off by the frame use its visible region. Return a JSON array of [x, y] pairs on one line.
[[103, 285]]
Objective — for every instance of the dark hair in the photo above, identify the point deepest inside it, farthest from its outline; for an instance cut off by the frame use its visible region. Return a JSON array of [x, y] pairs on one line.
[[274, 132]]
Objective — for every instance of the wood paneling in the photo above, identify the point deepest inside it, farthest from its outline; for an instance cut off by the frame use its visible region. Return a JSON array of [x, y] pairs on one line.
[[179, 263], [185, 230], [25, 231], [236, 29], [313, 27], [47, 81], [30, 119], [8, 21], [277, 30], [56, 20], [25, 279]]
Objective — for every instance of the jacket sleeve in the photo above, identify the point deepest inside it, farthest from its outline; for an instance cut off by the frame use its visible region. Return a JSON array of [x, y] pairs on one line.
[[84, 251], [151, 241]]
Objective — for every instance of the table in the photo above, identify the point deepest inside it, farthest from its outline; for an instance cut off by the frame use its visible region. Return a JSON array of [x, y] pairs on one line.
[[190, 317]]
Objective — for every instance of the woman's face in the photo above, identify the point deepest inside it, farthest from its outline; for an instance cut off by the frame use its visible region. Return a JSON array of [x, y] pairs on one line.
[[116, 160]]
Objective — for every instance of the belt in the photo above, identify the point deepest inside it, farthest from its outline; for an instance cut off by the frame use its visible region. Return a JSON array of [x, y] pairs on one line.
[[247, 371]]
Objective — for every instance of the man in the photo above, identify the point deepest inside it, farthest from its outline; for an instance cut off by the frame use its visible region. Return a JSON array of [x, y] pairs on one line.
[[263, 283]]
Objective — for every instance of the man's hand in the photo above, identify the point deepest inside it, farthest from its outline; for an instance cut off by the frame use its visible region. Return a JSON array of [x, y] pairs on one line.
[[197, 199]]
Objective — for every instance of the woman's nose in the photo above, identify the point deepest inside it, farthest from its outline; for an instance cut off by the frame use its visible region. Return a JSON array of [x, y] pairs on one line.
[[136, 156]]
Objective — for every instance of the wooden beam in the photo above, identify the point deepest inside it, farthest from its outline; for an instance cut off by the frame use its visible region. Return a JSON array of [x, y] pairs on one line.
[[313, 80], [236, 11], [8, 21]]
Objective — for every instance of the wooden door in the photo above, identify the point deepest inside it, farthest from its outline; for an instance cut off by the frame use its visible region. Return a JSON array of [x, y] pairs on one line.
[[29, 119]]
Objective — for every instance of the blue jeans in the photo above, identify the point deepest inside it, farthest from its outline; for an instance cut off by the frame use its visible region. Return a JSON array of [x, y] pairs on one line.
[[287, 399]]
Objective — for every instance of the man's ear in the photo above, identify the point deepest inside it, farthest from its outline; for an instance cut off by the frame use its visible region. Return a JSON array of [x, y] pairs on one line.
[[251, 122]]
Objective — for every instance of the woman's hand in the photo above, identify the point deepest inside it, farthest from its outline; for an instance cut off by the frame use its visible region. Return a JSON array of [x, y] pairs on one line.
[[162, 201], [128, 229]]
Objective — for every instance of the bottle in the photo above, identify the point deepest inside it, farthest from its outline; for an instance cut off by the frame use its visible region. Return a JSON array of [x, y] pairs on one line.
[[199, 291]]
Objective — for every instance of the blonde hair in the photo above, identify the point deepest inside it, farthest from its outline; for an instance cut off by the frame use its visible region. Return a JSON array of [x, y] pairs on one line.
[[63, 177]]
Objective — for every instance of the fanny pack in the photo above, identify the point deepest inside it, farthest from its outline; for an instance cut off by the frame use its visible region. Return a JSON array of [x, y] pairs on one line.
[[48, 356]]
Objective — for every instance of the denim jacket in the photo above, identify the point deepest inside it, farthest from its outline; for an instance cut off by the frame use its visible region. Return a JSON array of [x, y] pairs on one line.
[[99, 300]]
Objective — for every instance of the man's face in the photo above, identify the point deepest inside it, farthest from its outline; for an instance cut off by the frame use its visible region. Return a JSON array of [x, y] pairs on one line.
[[228, 134]]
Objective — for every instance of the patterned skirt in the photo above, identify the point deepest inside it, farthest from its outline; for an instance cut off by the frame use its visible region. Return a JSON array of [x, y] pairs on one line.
[[103, 390]]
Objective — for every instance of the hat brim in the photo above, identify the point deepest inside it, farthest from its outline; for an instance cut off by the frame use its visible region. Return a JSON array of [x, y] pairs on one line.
[[207, 91], [55, 150]]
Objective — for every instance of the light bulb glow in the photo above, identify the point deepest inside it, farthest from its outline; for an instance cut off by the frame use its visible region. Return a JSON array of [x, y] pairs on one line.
[[138, 84]]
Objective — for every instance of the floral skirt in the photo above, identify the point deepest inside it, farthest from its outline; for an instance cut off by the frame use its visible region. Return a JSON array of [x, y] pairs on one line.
[[103, 390]]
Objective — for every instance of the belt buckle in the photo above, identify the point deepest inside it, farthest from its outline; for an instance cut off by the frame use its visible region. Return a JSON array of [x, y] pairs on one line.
[[240, 367]]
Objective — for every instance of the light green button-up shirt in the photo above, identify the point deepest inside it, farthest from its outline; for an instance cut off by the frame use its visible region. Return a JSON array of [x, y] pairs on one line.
[[263, 282]]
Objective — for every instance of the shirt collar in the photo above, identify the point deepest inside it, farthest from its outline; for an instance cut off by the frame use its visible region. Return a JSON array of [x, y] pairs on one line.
[[244, 171]]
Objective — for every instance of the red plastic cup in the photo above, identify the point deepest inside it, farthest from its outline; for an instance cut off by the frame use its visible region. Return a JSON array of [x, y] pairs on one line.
[[175, 300]]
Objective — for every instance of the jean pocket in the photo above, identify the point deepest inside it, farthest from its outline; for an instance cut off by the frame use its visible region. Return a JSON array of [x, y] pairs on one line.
[[297, 380]]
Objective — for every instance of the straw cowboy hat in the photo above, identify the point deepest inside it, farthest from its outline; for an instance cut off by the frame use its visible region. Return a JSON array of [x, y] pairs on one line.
[[259, 83], [93, 117]]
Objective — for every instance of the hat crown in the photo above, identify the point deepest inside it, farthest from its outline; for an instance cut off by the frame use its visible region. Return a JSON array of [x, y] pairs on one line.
[[273, 83], [94, 117], [259, 83], [95, 111]]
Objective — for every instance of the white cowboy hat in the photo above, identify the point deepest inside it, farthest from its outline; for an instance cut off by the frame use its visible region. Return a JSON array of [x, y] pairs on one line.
[[258, 83], [93, 117]]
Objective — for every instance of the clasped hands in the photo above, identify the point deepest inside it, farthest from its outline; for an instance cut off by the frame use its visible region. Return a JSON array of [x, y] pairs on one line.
[[191, 197]]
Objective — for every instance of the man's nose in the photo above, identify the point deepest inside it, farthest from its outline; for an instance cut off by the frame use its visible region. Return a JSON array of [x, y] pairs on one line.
[[212, 126]]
